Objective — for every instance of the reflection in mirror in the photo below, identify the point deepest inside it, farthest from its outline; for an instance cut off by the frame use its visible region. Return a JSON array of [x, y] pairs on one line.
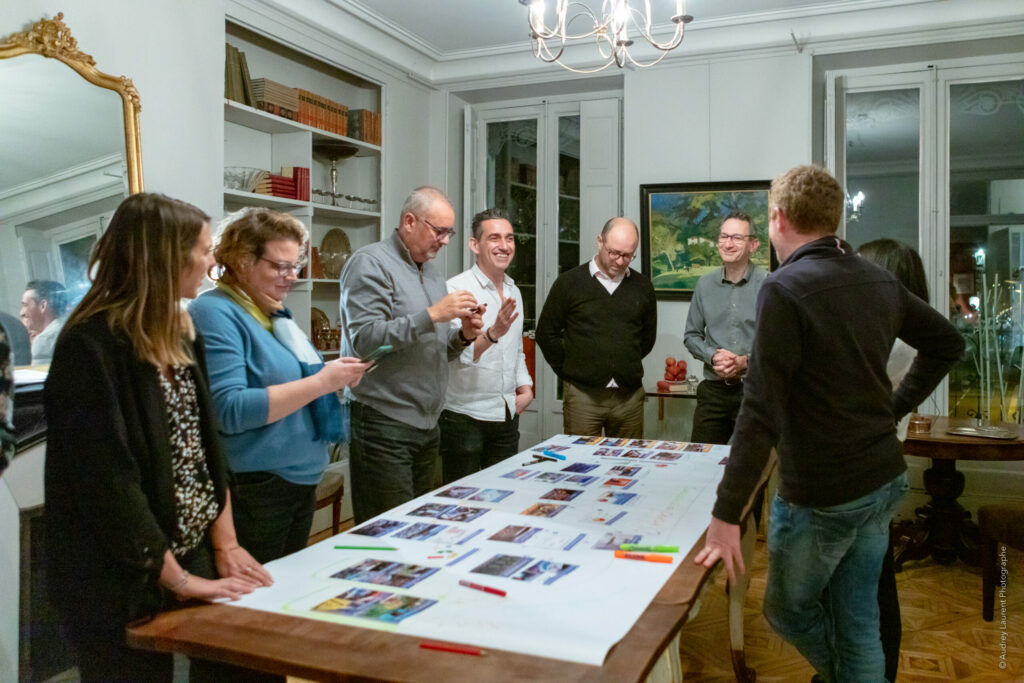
[[69, 154]]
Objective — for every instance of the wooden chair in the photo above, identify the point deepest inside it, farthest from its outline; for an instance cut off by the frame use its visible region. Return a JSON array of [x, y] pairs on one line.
[[997, 524], [330, 491]]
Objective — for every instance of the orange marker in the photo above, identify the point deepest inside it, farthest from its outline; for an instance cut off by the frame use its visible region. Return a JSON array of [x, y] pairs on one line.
[[646, 557]]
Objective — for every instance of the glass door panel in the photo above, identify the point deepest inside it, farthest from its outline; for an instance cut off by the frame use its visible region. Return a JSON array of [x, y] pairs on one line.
[[883, 151], [986, 251], [512, 186]]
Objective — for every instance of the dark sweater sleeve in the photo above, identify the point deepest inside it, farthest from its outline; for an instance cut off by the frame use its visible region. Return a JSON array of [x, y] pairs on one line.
[[90, 465], [551, 325], [650, 330], [939, 345], [774, 360]]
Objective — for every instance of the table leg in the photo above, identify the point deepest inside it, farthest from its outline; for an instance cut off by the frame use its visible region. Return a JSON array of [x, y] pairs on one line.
[[942, 529], [737, 595]]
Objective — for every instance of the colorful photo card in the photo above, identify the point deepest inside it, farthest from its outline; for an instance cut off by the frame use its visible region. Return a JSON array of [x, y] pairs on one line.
[[519, 474], [502, 565], [581, 467], [670, 445], [613, 539], [549, 571], [430, 510], [641, 443], [515, 534], [635, 453], [364, 603], [420, 531], [490, 495], [550, 477], [608, 452], [562, 494], [381, 527], [613, 441], [543, 510], [623, 471], [666, 456], [581, 480], [458, 491], [588, 440], [698, 447], [617, 497], [621, 482], [462, 513], [395, 574]]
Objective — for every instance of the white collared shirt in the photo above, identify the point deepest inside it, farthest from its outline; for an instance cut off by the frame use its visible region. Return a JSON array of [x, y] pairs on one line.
[[482, 389], [609, 283]]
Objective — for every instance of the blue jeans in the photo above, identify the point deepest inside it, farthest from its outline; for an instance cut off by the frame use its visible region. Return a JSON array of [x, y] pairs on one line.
[[469, 445], [272, 516], [390, 462], [823, 571]]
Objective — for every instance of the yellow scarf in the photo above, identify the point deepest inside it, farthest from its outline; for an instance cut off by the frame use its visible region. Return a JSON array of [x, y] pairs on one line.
[[246, 302]]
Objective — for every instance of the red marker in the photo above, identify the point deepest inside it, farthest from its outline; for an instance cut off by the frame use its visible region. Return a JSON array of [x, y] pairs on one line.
[[452, 647], [646, 557], [480, 587]]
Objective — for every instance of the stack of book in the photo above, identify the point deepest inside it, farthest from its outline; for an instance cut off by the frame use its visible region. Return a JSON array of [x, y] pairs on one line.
[[275, 98], [277, 185], [320, 112], [364, 125], [301, 177], [237, 84]]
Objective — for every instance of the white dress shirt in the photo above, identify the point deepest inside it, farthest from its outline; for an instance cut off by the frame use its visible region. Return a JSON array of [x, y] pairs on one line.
[[482, 389]]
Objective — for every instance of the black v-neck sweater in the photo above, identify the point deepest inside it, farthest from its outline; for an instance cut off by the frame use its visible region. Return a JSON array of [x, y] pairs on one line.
[[590, 337]]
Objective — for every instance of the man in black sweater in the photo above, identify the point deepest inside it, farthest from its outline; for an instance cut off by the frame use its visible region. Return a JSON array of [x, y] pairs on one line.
[[817, 391], [599, 321]]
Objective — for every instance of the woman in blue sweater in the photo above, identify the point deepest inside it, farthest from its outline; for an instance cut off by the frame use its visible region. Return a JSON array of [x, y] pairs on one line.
[[274, 397]]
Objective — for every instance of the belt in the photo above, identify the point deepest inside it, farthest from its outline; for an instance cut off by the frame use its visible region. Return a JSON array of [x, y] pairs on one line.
[[733, 382]]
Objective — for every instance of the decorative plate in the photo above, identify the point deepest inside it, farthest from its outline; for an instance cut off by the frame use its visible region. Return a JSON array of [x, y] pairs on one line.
[[334, 251]]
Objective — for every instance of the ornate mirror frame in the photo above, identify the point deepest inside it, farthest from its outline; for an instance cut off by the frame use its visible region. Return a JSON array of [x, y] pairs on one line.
[[51, 38]]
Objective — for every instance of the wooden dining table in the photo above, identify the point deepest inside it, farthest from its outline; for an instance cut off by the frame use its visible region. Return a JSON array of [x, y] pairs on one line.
[[324, 651], [943, 529]]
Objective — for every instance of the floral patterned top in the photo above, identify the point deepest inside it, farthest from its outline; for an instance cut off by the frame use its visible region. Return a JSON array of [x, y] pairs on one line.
[[193, 489]]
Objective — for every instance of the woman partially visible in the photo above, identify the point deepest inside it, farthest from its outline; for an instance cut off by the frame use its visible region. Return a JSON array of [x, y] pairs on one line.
[[274, 397], [905, 264], [137, 507]]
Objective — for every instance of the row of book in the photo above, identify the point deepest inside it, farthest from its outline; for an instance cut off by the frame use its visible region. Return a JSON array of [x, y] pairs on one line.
[[364, 125], [237, 82], [291, 183]]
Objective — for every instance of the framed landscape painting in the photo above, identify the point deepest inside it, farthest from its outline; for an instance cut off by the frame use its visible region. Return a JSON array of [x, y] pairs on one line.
[[679, 225]]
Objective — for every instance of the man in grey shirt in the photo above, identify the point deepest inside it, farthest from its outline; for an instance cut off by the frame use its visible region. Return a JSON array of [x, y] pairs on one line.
[[392, 295], [720, 329]]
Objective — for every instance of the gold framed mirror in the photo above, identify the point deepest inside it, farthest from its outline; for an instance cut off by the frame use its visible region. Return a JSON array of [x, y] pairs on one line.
[[51, 38]]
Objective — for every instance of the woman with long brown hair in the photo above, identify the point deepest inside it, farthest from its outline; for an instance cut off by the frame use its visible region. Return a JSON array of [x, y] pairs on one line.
[[137, 506]]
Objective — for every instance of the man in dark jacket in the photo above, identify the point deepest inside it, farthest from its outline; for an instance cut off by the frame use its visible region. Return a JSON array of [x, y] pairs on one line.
[[817, 391], [599, 321]]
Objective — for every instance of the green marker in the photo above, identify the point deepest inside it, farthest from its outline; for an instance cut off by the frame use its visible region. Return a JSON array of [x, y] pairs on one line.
[[649, 548], [361, 547]]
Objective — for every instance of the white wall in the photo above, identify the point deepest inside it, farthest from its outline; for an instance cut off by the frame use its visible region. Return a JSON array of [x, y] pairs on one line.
[[714, 121]]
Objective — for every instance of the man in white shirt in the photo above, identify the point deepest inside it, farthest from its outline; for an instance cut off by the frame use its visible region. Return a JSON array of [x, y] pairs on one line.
[[42, 310], [488, 385]]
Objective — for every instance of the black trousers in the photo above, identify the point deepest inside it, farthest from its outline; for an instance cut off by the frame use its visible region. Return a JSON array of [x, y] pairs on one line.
[[718, 404], [469, 445]]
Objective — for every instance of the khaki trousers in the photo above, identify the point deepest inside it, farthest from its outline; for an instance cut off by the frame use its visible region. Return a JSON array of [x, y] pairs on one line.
[[612, 412]]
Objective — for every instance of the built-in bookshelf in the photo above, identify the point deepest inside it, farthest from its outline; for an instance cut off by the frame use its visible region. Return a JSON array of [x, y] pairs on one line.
[[257, 139]]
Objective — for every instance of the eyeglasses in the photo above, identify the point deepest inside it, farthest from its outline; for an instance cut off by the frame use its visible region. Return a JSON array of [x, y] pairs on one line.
[[286, 268], [440, 233], [620, 255], [724, 237]]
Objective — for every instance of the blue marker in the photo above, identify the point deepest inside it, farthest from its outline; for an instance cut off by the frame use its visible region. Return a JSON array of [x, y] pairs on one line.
[[552, 454]]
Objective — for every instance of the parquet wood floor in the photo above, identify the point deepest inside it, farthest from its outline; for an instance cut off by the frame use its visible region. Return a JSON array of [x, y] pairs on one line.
[[944, 636]]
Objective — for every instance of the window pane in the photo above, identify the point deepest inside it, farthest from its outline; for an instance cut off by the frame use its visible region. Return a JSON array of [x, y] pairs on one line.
[[512, 185], [986, 251], [883, 151]]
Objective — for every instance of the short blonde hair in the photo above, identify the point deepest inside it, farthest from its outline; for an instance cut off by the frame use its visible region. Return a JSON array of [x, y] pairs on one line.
[[810, 197], [247, 232]]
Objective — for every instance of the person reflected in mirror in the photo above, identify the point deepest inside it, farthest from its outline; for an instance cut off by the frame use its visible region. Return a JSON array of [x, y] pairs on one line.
[[488, 384], [138, 512], [905, 263], [42, 314], [598, 323], [6, 401], [275, 398], [720, 329], [393, 294]]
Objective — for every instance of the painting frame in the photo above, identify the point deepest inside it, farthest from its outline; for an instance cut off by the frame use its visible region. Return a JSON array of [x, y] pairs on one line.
[[679, 225]]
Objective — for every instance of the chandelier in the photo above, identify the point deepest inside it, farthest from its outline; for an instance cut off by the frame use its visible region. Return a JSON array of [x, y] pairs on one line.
[[610, 30]]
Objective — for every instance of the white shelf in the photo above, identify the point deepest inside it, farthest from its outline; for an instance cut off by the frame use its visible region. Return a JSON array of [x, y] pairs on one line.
[[245, 115], [265, 200], [324, 281], [328, 211]]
